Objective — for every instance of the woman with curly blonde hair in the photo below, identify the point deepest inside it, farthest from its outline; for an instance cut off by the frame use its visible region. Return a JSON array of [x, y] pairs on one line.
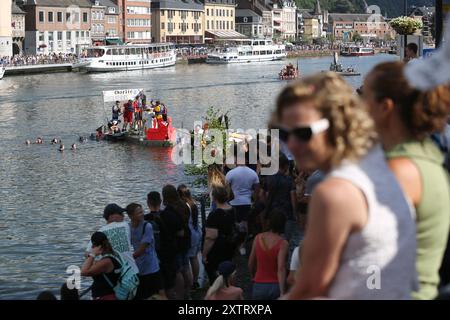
[[360, 241]]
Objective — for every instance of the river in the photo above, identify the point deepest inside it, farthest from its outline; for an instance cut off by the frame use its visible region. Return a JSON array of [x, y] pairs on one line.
[[51, 202]]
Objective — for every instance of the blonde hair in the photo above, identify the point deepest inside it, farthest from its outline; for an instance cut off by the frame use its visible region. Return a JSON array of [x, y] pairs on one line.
[[215, 176], [351, 133]]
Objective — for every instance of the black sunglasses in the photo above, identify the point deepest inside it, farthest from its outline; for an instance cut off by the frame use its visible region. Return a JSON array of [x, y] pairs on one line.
[[304, 133]]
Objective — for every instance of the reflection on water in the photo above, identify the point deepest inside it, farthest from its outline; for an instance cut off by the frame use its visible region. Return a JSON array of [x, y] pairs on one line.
[[50, 202]]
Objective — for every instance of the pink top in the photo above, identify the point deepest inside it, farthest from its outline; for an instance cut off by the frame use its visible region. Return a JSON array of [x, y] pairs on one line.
[[228, 293], [266, 262]]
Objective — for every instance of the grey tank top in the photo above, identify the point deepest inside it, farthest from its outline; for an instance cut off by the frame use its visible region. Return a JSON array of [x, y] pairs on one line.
[[379, 261]]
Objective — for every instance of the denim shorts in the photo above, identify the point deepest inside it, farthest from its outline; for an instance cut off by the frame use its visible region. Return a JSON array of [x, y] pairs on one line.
[[265, 291], [182, 262]]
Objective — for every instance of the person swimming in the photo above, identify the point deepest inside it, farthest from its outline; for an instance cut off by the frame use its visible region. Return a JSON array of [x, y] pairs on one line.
[[61, 147], [28, 142], [74, 147], [39, 140], [82, 139], [55, 141]]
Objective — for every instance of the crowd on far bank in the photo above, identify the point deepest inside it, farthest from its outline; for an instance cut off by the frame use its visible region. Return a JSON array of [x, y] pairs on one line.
[[39, 59]]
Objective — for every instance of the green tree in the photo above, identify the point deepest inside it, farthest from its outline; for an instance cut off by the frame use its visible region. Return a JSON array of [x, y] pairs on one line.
[[343, 6], [357, 37]]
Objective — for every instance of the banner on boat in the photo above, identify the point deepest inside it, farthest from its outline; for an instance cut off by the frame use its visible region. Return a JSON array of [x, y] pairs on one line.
[[120, 95]]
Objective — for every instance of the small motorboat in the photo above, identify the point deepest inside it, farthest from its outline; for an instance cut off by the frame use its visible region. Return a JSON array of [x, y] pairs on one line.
[[289, 73], [340, 70], [2, 71], [115, 137]]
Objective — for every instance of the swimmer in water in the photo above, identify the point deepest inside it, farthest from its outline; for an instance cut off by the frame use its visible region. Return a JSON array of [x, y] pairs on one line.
[[39, 140], [74, 147], [61, 147], [28, 142], [55, 141]]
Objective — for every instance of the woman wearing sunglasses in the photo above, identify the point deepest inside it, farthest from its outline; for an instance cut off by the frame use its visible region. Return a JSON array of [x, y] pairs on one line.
[[360, 242]]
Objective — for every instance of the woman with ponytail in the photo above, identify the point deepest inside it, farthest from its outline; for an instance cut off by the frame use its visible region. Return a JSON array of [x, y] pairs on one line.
[[100, 265], [405, 118], [222, 288]]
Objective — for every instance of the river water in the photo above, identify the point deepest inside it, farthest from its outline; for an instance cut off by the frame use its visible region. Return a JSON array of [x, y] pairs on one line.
[[50, 202]]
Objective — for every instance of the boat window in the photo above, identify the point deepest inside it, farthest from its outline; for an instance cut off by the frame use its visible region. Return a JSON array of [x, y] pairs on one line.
[[95, 53], [108, 52], [132, 50], [261, 43], [262, 53], [121, 51], [256, 53], [278, 51], [115, 52]]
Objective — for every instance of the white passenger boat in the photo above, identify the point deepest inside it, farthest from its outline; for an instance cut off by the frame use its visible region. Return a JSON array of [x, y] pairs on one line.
[[126, 57], [250, 50]]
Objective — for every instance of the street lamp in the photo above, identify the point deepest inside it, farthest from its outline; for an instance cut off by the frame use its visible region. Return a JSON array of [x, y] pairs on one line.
[[405, 4]]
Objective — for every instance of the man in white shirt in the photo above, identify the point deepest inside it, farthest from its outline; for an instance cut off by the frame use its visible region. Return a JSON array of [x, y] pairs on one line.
[[243, 181], [118, 233]]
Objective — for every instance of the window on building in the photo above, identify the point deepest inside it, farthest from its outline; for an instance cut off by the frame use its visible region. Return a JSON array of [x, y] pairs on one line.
[[207, 24], [41, 36], [217, 24], [41, 16], [162, 25], [68, 17], [68, 35], [111, 20], [228, 25], [59, 17], [85, 17], [59, 35], [50, 16], [207, 12]]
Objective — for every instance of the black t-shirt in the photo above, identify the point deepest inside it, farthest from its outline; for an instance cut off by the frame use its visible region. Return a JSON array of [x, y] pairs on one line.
[[171, 224], [223, 221], [279, 187], [101, 287]]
